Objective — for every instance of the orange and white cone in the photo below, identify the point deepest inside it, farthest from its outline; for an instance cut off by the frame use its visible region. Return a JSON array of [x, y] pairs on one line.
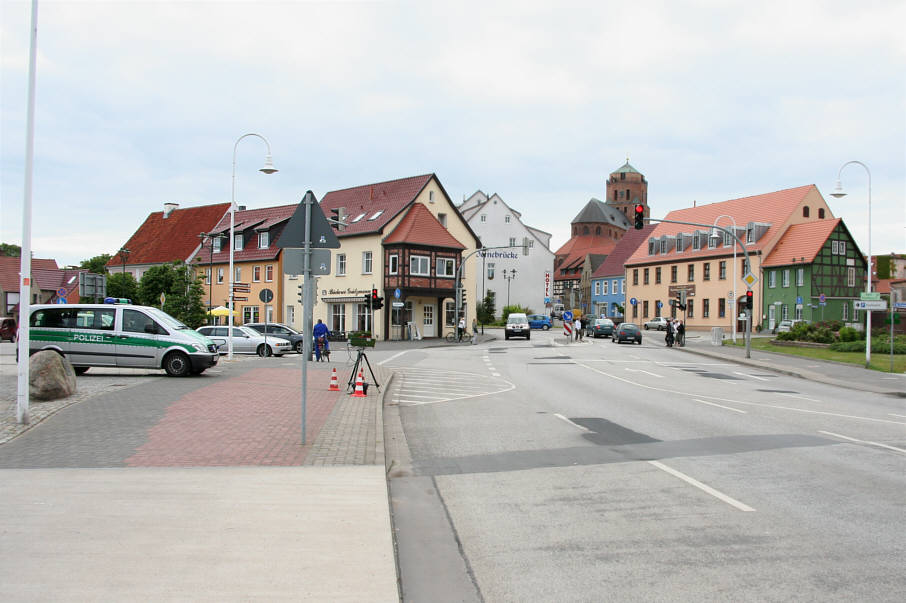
[[334, 382], [359, 387]]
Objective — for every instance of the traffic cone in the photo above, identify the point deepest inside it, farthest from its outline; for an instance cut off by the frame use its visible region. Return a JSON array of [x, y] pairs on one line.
[[359, 387], [334, 383]]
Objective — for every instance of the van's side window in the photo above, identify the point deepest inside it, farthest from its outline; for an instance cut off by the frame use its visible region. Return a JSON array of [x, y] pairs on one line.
[[135, 322], [94, 318]]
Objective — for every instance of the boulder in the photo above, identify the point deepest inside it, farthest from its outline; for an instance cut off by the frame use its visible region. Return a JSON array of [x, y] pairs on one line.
[[50, 376]]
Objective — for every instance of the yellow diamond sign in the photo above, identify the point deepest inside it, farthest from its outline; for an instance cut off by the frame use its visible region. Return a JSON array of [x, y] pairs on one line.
[[749, 279]]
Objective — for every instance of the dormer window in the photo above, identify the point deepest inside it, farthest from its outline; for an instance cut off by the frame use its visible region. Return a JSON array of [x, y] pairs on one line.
[[263, 239], [652, 247], [358, 217], [696, 241], [750, 232], [215, 242], [237, 242]]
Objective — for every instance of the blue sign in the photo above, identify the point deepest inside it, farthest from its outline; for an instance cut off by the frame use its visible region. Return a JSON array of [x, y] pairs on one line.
[[547, 300], [61, 300], [61, 292], [633, 301], [798, 299], [567, 315], [660, 304], [822, 298], [396, 293]]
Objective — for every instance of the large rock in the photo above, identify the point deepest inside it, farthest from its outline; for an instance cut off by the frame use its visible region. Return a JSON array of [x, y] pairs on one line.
[[50, 376]]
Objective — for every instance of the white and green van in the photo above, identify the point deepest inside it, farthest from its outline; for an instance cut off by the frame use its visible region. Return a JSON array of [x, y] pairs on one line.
[[120, 335]]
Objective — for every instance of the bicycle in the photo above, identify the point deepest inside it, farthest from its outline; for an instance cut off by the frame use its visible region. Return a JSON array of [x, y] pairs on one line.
[[451, 337]]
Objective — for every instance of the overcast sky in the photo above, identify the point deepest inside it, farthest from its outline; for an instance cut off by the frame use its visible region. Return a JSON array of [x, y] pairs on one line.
[[140, 103]]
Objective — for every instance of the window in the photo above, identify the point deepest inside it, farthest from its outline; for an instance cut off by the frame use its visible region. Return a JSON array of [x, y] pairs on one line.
[[842, 247], [220, 275], [366, 262], [360, 319], [657, 276], [394, 264], [696, 241], [442, 218], [798, 312], [635, 311], [712, 242], [341, 264], [420, 265], [722, 270], [256, 274], [679, 242], [805, 211], [237, 274], [358, 217], [512, 241], [378, 213], [484, 217], [729, 240], [845, 309], [800, 277], [263, 239], [745, 266], [597, 287], [652, 246], [613, 287], [750, 234], [645, 279], [706, 271], [269, 273], [431, 196], [290, 314], [506, 218], [338, 317], [706, 308], [207, 276], [721, 307], [606, 290], [784, 312], [690, 308], [772, 279], [134, 321], [216, 244], [851, 276], [835, 247], [490, 271], [673, 271], [645, 309], [237, 242], [657, 307], [663, 245], [446, 267], [250, 314], [820, 213], [786, 277], [635, 276], [690, 273], [623, 285]]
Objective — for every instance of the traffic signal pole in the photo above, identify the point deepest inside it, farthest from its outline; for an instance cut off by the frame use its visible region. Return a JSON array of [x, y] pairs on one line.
[[750, 307]]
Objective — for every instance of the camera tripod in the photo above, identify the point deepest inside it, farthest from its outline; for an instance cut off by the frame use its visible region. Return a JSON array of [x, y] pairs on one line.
[[355, 371]]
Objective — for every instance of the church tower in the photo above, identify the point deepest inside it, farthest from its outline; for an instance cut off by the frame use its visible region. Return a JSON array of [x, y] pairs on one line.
[[625, 188]]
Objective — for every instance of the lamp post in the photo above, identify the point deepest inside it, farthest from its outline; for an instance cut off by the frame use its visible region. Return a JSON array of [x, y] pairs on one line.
[[839, 193], [124, 255], [508, 278], [714, 233], [267, 169], [210, 237]]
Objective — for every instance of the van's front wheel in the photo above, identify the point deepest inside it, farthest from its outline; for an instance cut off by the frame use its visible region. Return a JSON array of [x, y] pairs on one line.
[[177, 364]]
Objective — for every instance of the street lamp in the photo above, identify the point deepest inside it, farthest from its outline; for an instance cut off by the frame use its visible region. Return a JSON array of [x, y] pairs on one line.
[[508, 278], [715, 233], [124, 255], [839, 193], [267, 169], [210, 237]]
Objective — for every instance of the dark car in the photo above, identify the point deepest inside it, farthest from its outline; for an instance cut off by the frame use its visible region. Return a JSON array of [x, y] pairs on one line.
[[276, 329], [539, 321], [627, 331], [602, 327], [8, 329]]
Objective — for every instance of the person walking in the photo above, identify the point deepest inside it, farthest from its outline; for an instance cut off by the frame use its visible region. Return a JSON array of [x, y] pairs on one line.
[[474, 331], [668, 337], [460, 328], [577, 325], [680, 334]]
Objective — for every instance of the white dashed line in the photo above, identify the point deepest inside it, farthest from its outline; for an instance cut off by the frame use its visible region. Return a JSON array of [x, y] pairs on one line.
[[703, 487], [749, 376], [843, 437], [646, 372], [576, 425], [721, 406]]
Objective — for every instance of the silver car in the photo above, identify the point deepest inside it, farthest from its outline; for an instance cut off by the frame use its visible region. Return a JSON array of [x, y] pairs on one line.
[[246, 341]]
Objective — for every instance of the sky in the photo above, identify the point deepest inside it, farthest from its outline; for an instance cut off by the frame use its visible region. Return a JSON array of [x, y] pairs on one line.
[[141, 103]]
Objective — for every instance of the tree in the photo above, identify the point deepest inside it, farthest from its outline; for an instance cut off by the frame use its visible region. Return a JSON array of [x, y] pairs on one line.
[[97, 264], [8, 249], [181, 288], [486, 309], [124, 285]]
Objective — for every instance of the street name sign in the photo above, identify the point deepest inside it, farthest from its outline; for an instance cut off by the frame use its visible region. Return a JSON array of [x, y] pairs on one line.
[[870, 296], [870, 304]]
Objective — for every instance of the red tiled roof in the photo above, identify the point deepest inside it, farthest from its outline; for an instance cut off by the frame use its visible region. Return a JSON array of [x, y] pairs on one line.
[[9, 270], [884, 285], [801, 241], [254, 219], [577, 248], [420, 227], [614, 265], [773, 208], [173, 238], [389, 197]]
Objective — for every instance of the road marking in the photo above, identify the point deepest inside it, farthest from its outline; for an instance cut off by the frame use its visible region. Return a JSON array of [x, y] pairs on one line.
[[397, 355], [720, 406], [750, 376], [837, 435], [576, 425], [895, 415], [799, 397], [644, 371], [703, 487]]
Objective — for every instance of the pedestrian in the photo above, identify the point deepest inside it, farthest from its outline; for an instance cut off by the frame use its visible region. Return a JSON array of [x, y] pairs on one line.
[[668, 338], [460, 328], [577, 325], [474, 331], [680, 334]]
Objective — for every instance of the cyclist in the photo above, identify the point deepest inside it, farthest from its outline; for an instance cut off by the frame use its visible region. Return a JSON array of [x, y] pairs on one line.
[[322, 346]]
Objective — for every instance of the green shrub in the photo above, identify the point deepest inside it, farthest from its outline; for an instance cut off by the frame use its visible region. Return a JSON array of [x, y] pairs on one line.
[[507, 310], [849, 334], [833, 325], [820, 335], [848, 346], [786, 336], [879, 345]]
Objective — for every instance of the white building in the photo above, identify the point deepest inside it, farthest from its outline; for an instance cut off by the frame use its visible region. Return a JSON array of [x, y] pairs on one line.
[[499, 225]]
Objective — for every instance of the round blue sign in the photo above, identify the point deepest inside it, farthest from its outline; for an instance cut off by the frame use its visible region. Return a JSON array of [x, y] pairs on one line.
[[634, 301], [397, 293], [567, 315], [660, 304], [822, 298]]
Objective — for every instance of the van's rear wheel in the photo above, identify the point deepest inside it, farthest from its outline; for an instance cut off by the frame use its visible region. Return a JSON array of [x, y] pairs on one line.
[[177, 364]]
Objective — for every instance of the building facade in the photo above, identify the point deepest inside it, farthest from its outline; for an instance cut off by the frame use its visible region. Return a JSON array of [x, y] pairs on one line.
[[608, 283]]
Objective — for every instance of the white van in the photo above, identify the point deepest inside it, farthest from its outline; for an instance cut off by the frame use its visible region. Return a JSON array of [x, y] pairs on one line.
[[120, 335], [557, 310]]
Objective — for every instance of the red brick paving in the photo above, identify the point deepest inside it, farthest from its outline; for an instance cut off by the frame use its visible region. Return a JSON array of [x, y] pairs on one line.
[[251, 419]]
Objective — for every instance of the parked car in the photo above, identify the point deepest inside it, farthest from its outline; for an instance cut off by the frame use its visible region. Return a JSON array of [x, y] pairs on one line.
[[246, 341], [517, 325], [787, 325], [539, 321], [8, 329], [627, 331], [281, 330], [602, 327], [658, 323]]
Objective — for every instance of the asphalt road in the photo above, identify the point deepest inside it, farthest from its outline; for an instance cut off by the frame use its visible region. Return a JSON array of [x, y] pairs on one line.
[[597, 471]]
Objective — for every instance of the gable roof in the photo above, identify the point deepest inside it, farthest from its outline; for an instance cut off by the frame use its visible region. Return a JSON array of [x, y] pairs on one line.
[[256, 220], [772, 208], [801, 241], [159, 240], [614, 265], [577, 249], [420, 227], [9, 271], [390, 198], [596, 211]]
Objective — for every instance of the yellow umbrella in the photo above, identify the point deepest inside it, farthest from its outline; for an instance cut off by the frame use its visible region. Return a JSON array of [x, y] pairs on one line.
[[221, 311]]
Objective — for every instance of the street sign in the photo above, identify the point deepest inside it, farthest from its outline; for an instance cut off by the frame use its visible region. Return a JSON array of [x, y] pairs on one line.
[[822, 298], [163, 298], [870, 304], [61, 300], [749, 279], [567, 316], [798, 300], [397, 293], [240, 298], [294, 261], [242, 288], [633, 301], [322, 235], [660, 304], [730, 295], [870, 296], [61, 292], [900, 305], [266, 295], [398, 304]]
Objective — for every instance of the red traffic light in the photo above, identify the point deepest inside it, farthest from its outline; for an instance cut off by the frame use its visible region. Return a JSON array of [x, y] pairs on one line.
[[639, 216], [374, 294], [750, 302], [639, 208]]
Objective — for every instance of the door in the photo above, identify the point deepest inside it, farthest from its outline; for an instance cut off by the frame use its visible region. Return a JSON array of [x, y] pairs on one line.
[[771, 320], [92, 336], [428, 321], [137, 341]]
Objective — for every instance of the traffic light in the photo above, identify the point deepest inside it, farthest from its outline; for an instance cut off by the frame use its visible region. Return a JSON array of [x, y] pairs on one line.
[[462, 297], [376, 302], [639, 216], [749, 300], [368, 300], [301, 294]]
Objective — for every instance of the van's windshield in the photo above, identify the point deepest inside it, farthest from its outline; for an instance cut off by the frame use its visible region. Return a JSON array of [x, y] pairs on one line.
[[165, 319]]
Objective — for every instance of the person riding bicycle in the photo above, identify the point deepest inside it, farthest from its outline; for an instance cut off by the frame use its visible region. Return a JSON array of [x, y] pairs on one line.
[[322, 344]]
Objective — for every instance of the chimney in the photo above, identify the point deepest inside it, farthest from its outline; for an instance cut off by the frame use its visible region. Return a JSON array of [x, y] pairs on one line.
[[240, 208], [168, 209]]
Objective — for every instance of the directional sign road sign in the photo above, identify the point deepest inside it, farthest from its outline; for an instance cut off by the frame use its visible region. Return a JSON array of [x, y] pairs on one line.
[[322, 235]]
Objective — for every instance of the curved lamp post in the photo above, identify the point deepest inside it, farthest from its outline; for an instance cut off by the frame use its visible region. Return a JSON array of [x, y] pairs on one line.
[[735, 299], [839, 193], [508, 278], [267, 169]]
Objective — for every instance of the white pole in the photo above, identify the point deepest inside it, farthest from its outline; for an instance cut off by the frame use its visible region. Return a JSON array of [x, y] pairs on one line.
[[23, 376]]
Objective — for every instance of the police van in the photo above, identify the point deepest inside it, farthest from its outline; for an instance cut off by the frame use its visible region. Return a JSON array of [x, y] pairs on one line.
[[117, 334]]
